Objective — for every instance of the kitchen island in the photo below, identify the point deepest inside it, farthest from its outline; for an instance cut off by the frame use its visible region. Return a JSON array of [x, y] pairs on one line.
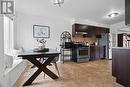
[[121, 65]]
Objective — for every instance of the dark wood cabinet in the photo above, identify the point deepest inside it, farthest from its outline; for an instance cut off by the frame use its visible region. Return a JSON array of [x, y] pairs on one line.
[[127, 12], [97, 52], [89, 29], [102, 52], [79, 28], [120, 65]]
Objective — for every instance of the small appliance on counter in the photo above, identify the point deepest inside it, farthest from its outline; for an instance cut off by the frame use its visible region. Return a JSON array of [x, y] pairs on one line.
[[68, 45], [86, 44]]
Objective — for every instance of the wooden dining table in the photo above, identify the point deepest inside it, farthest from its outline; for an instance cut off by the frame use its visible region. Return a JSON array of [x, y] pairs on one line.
[[42, 67]]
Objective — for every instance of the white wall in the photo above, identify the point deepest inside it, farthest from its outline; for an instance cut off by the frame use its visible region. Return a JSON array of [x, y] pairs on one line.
[[24, 29], [114, 30], [119, 28]]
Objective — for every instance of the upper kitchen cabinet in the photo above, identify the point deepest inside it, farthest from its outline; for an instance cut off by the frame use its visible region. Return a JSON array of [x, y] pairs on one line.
[[79, 28], [87, 29], [127, 12]]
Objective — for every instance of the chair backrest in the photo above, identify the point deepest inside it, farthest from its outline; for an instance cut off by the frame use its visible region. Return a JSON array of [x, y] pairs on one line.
[[55, 59]]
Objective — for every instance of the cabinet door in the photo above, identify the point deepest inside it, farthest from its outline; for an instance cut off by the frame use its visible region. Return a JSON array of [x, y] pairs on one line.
[[92, 53], [102, 51], [81, 28], [97, 52], [127, 12]]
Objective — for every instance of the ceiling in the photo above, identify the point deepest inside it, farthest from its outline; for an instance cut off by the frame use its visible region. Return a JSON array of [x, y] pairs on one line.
[[95, 10]]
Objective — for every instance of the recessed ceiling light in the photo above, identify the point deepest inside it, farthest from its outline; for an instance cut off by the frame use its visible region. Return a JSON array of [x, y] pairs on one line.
[[112, 15]]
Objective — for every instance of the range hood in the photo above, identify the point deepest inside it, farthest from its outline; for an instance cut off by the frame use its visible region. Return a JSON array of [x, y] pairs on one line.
[[81, 33]]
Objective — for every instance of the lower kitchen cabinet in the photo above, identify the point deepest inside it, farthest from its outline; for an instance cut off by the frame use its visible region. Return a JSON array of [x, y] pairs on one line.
[[97, 52], [120, 65]]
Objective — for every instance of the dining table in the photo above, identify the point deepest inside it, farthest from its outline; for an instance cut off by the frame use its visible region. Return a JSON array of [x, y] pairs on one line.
[[33, 56]]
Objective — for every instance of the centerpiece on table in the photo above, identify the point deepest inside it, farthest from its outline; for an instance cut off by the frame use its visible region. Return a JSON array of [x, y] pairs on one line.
[[41, 43], [41, 46]]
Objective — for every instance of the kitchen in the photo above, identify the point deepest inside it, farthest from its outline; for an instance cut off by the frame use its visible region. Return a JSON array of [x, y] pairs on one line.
[[88, 43], [93, 30]]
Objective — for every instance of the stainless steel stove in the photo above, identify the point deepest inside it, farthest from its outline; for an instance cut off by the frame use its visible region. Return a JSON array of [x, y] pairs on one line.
[[81, 53]]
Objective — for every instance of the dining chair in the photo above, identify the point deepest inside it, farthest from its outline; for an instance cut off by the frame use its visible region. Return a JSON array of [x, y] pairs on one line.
[[54, 62]]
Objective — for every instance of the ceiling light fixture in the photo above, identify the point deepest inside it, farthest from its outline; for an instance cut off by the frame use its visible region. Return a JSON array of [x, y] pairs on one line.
[[112, 15], [58, 2]]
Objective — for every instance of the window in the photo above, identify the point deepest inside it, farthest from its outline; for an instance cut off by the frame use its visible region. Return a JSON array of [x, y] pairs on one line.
[[8, 42], [8, 34]]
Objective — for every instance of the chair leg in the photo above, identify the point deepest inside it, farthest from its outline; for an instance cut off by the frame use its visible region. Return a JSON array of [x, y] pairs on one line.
[[44, 75], [57, 68], [63, 56], [42, 61]]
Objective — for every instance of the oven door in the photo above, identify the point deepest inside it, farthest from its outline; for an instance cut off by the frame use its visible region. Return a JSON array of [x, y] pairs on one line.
[[83, 52]]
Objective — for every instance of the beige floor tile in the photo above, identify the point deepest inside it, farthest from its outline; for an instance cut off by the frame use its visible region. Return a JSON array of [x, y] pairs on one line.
[[89, 74]]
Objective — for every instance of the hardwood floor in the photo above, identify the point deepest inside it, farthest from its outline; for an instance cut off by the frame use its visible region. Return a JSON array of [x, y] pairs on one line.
[[89, 74]]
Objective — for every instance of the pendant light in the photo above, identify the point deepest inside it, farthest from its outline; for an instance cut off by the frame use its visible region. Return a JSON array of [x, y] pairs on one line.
[[58, 2]]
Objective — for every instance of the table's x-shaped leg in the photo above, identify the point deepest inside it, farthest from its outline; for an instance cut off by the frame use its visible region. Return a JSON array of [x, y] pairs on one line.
[[41, 67]]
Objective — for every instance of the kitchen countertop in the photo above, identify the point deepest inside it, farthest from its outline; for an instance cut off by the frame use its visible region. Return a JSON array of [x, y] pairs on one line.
[[120, 47]]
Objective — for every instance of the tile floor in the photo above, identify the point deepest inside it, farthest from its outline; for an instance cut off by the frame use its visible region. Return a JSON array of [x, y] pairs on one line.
[[90, 74]]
